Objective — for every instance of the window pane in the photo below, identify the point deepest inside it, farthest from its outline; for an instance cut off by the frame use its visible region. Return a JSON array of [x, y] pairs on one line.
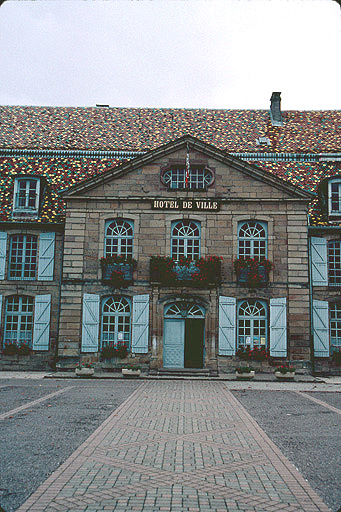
[[119, 238], [335, 325], [252, 240], [23, 257], [334, 263], [19, 326], [186, 240]]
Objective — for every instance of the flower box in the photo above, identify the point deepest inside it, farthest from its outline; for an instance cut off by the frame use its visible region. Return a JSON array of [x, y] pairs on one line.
[[84, 372], [129, 372], [117, 271], [252, 273], [245, 375], [200, 273], [284, 376]]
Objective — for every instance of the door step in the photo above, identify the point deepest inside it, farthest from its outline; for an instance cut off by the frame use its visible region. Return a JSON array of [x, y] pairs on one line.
[[184, 372]]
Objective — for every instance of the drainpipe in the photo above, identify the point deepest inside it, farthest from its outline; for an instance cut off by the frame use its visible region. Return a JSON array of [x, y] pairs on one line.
[[312, 355], [60, 293]]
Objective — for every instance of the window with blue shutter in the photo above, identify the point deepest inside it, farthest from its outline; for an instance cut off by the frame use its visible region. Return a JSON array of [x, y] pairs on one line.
[[3, 248], [252, 324], [46, 256], [140, 324], [41, 328], [227, 326], [320, 328], [90, 323], [319, 263], [278, 327]]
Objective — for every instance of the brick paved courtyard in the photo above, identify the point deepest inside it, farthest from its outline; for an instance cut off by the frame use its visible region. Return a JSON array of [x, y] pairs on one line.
[[177, 446]]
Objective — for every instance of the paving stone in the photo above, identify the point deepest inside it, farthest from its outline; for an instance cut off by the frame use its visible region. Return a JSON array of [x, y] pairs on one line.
[[180, 446]]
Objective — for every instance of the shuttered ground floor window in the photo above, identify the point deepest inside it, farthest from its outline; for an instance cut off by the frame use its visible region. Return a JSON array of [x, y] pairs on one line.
[[27, 320], [252, 324], [116, 321]]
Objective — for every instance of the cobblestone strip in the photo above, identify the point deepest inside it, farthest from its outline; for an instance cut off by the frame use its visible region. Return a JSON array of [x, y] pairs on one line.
[[177, 446], [33, 403], [306, 496], [317, 401]]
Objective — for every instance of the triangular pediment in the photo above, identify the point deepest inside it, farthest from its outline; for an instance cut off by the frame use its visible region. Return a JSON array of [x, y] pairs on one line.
[[175, 147]]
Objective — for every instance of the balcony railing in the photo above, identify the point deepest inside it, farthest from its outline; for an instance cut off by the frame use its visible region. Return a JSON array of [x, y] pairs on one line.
[[252, 273], [117, 271], [185, 272]]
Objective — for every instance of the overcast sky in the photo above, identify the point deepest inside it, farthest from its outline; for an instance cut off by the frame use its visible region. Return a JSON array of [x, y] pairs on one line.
[[171, 53]]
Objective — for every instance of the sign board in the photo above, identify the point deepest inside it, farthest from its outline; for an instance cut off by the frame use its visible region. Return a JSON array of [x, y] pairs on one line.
[[199, 205]]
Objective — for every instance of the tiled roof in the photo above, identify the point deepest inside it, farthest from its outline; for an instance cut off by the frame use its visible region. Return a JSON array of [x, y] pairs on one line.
[[307, 175], [59, 173], [141, 129]]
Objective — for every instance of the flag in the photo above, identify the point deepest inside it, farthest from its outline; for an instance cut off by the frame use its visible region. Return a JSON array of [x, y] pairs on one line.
[[187, 169]]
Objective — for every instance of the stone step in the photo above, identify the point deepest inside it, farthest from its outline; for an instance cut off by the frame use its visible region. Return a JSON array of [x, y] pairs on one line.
[[184, 372]]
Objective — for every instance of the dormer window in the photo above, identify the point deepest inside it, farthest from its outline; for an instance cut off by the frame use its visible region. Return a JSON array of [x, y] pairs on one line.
[[198, 178], [334, 196], [26, 196]]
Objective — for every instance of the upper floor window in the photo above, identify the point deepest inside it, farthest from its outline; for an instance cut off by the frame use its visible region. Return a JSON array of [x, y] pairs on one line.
[[252, 240], [19, 320], [198, 178], [334, 196], [26, 195], [119, 237], [334, 263], [185, 239], [23, 257]]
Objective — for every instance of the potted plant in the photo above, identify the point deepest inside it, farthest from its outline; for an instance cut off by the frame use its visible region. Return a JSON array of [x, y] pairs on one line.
[[245, 373], [131, 371], [10, 349], [285, 372], [84, 370]]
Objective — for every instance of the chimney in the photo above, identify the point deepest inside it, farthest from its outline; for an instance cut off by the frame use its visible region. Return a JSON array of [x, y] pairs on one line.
[[275, 109]]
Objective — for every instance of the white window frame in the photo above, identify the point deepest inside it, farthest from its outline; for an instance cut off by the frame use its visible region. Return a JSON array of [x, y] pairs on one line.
[[335, 326], [200, 178], [122, 250], [253, 240], [188, 248], [26, 208], [330, 183]]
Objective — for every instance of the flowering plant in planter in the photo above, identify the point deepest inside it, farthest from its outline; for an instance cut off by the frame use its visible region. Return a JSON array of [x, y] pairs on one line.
[[117, 271], [255, 354], [170, 272], [253, 272], [284, 369], [244, 369], [22, 349], [84, 365], [114, 350]]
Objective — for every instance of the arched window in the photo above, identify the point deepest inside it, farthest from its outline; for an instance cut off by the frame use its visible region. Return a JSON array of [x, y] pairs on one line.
[[185, 239], [119, 236], [23, 257], [116, 312], [252, 324], [335, 326], [199, 178], [252, 240], [184, 310], [18, 320]]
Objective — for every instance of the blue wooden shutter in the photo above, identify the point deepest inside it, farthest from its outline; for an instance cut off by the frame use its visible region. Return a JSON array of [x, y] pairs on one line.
[[46, 256], [278, 327], [3, 246], [90, 323], [140, 324], [0, 307], [227, 326], [41, 329], [319, 261], [321, 328]]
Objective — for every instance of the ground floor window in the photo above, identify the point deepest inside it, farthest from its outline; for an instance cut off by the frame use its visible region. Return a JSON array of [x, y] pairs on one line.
[[116, 321], [252, 324], [19, 320], [335, 326]]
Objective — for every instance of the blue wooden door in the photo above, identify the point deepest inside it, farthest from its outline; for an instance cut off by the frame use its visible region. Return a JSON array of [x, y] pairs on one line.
[[174, 343]]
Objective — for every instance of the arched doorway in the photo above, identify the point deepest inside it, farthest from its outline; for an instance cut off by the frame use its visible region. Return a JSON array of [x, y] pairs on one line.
[[183, 341]]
